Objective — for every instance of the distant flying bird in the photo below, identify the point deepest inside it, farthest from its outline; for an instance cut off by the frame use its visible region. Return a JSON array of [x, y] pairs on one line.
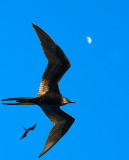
[[27, 131], [49, 97]]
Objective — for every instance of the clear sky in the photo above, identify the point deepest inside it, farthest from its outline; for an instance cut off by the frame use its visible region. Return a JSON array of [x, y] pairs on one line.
[[98, 78]]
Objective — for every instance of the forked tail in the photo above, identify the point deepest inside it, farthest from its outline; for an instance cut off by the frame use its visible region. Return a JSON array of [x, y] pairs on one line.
[[20, 101]]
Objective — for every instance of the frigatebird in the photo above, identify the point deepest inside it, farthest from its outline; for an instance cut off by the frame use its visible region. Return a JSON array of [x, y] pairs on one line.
[[49, 97], [27, 131]]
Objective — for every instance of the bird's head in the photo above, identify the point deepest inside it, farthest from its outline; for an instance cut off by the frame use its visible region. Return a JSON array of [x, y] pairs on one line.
[[66, 101]]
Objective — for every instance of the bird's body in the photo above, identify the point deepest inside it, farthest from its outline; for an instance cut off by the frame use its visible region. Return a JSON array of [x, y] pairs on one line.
[[49, 97]]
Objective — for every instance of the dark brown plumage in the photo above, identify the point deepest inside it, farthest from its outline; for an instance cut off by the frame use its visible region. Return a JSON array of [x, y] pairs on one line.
[[27, 131], [49, 97]]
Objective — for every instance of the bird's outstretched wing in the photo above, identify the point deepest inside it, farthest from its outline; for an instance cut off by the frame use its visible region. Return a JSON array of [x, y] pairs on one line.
[[31, 128], [24, 135], [62, 122], [58, 63]]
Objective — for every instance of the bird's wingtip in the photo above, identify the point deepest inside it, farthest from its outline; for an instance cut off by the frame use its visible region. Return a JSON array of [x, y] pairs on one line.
[[39, 156], [33, 24]]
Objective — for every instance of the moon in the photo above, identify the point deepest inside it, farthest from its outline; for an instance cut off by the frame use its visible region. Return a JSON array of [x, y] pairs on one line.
[[89, 40]]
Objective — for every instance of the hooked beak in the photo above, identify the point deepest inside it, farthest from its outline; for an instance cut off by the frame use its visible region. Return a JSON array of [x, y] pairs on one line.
[[72, 102]]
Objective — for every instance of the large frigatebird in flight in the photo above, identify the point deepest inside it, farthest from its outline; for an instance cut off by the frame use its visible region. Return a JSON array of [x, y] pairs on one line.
[[49, 97]]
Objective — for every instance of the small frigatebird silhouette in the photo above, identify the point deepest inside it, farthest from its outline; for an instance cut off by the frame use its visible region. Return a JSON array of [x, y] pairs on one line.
[[27, 131], [49, 97]]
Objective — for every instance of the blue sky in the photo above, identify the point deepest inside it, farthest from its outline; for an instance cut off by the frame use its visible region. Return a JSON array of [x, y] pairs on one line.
[[98, 78]]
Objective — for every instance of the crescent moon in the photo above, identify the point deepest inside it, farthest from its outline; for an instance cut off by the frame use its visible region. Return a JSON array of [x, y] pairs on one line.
[[89, 40]]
